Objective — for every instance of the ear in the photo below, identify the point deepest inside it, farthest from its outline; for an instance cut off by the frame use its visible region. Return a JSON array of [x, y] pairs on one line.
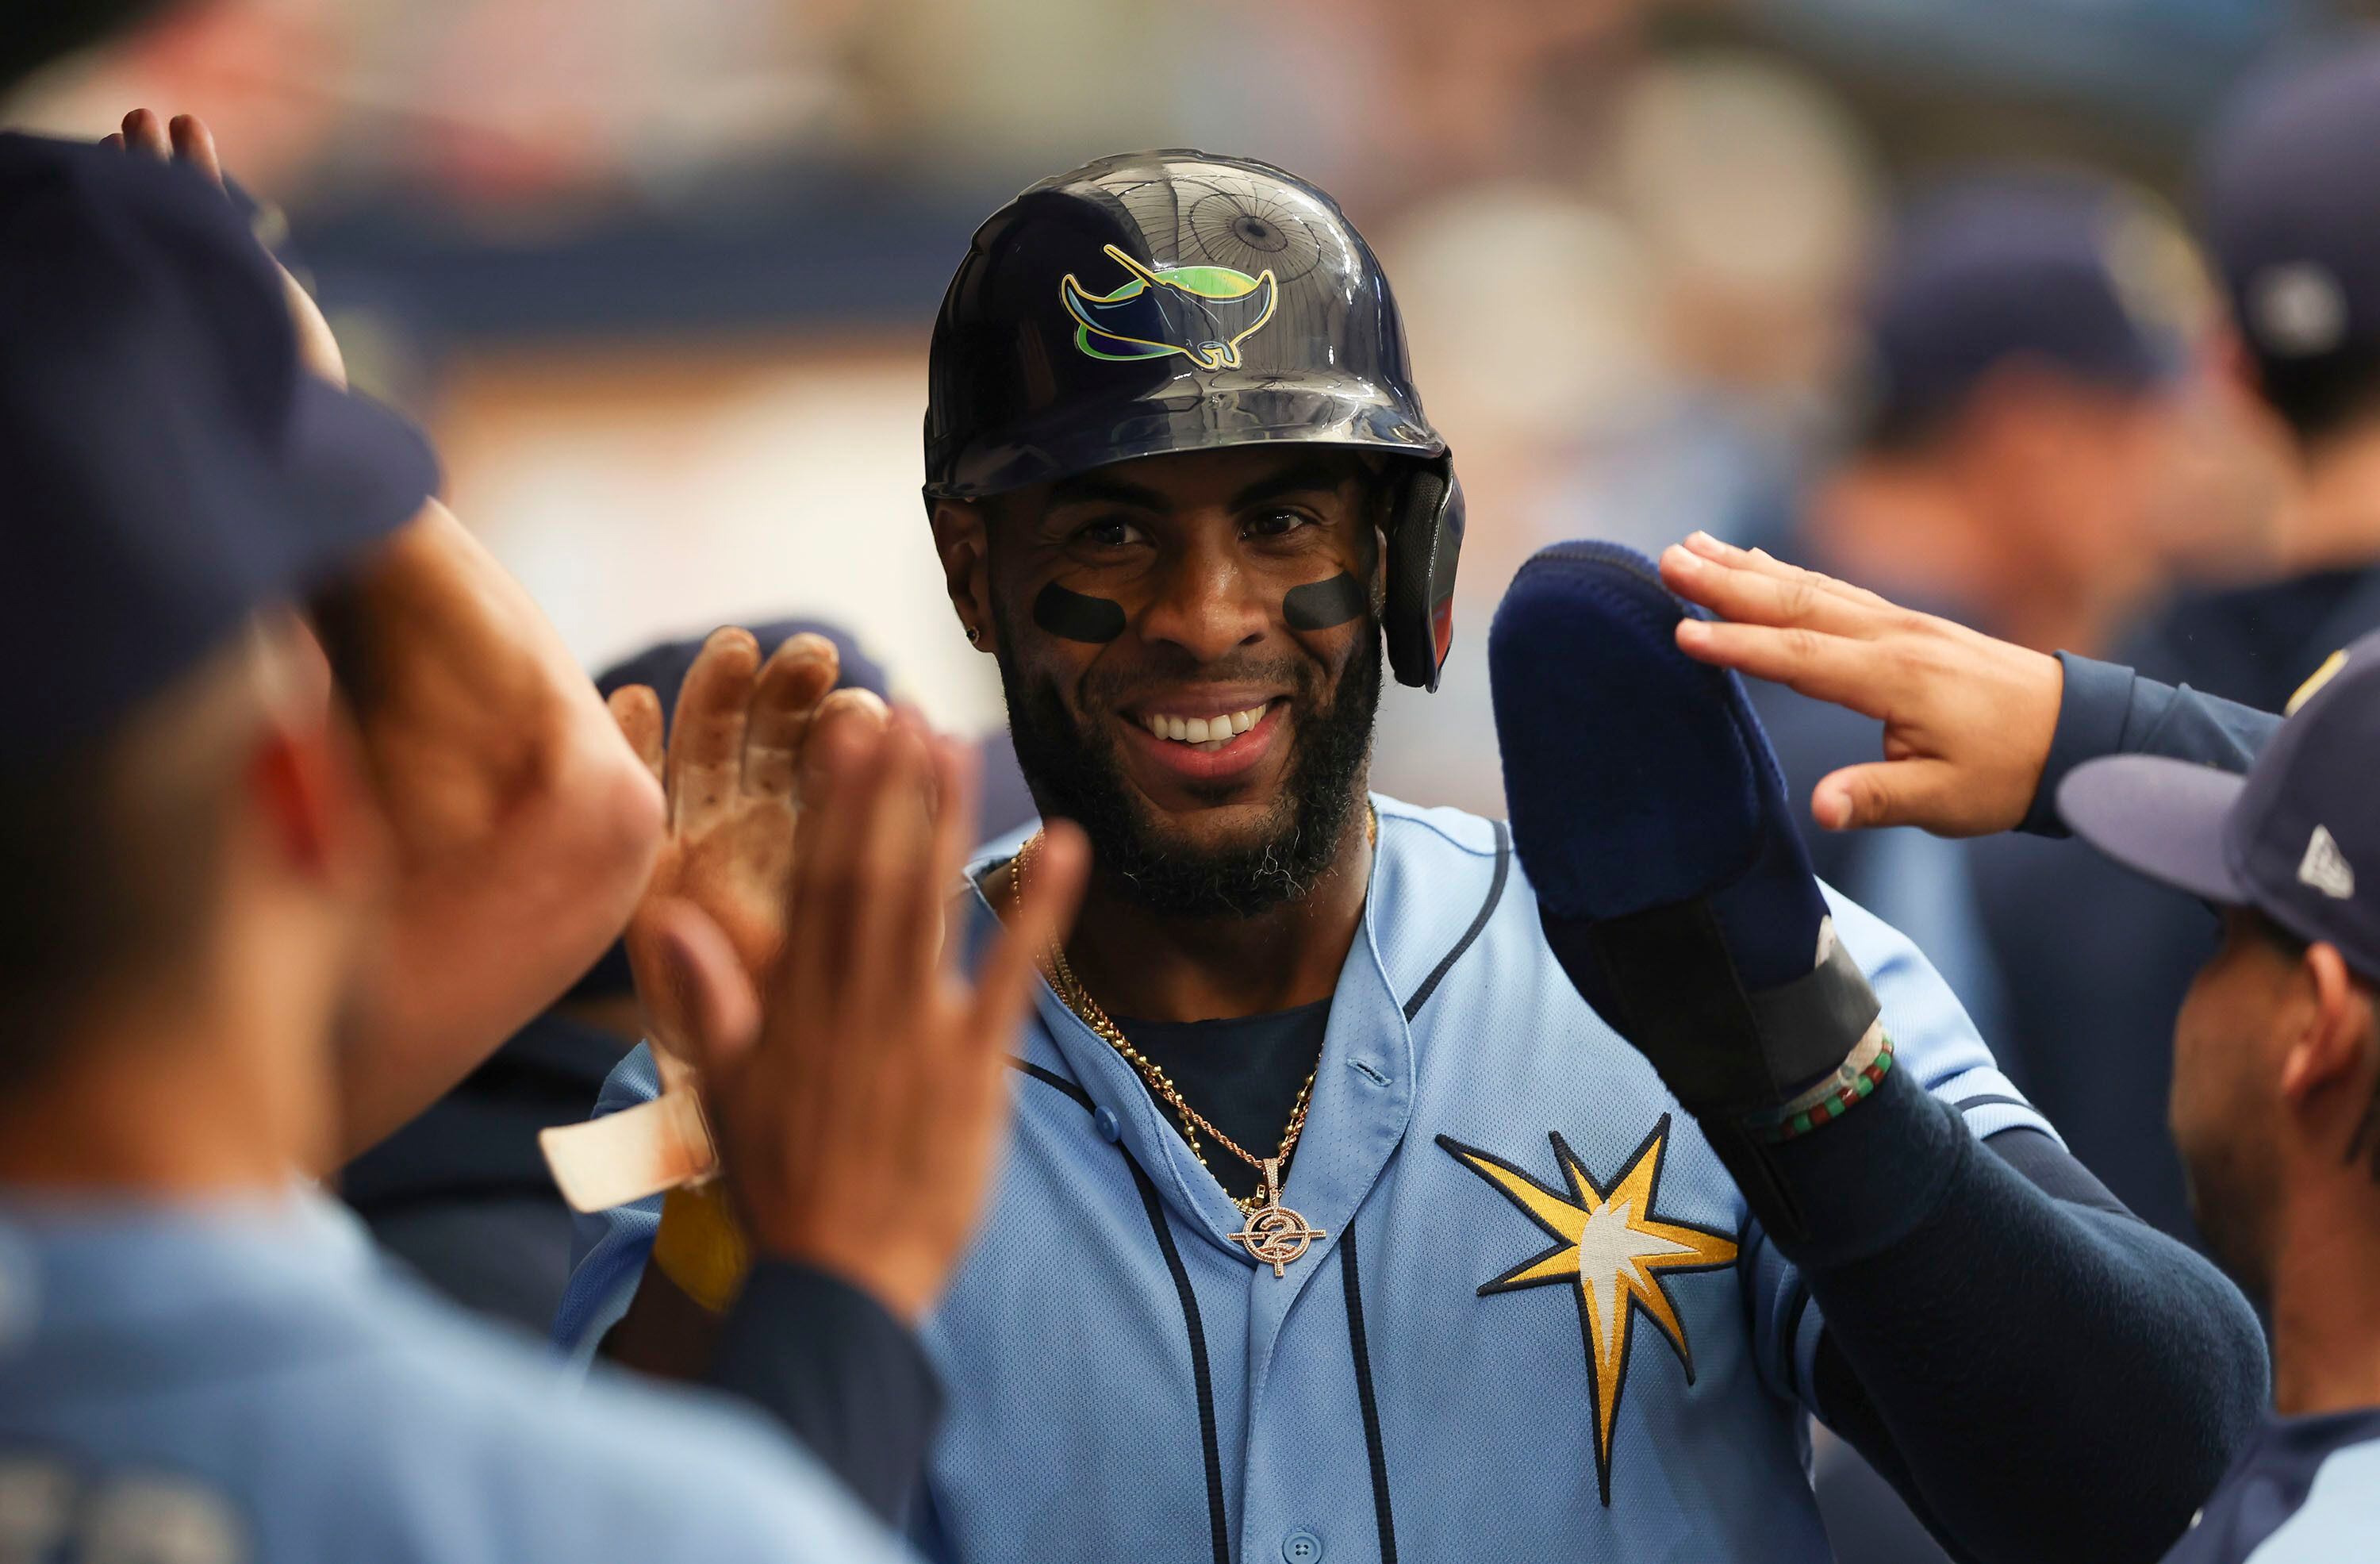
[[304, 780], [962, 540], [2328, 1067]]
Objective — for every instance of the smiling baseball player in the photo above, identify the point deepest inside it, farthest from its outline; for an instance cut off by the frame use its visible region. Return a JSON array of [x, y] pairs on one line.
[[1380, 1188]]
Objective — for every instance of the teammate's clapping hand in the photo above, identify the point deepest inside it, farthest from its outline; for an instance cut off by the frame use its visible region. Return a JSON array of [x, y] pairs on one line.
[[793, 947], [1967, 719], [734, 775]]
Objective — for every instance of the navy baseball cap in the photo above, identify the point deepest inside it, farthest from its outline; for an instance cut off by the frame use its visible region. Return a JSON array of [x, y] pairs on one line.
[[2063, 270], [2298, 838], [169, 466], [2291, 214]]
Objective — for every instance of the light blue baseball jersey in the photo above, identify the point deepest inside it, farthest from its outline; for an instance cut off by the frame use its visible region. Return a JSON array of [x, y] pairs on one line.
[[244, 1383], [1541, 1323]]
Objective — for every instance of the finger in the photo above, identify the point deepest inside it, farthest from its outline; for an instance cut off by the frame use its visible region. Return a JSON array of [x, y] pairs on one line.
[[195, 144], [1762, 562], [845, 718], [112, 140], [706, 987], [956, 775], [958, 792], [144, 132], [860, 711], [705, 765], [1004, 980], [1880, 793], [840, 765], [792, 683], [1861, 674], [1750, 596], [638, 711], [807, 1027], [894, 903]]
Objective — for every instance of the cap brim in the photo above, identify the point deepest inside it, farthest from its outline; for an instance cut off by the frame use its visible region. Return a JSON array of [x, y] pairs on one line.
[[358, 470], [2157, 817]]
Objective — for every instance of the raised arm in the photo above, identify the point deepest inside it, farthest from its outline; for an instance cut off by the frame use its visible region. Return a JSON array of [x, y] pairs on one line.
[[523, 824], [1977, 732]]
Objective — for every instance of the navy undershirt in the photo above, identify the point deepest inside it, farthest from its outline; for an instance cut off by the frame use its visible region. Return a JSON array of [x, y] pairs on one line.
[[1244, 1073]]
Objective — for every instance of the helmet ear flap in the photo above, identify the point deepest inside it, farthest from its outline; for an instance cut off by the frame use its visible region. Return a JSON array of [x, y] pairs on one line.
[[1425, 541]]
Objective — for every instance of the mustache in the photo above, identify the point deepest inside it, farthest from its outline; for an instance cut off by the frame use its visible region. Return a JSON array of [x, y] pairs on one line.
[[1110, 689]]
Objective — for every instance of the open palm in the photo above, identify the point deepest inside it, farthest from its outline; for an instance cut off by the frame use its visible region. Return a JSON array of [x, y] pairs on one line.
[[735, 772]]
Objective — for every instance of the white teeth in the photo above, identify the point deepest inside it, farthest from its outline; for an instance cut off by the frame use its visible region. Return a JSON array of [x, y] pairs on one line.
[[1208, 733]]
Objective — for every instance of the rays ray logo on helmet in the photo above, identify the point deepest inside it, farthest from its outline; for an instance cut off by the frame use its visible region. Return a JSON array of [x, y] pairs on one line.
[[1202, 313]]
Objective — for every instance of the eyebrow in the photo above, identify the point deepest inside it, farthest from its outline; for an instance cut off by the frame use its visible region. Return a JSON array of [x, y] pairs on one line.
[[1087, 487], [1319, 472], [1316, 472]]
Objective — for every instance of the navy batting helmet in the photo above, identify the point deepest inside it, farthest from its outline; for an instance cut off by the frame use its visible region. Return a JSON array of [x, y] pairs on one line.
[[1184, 301]]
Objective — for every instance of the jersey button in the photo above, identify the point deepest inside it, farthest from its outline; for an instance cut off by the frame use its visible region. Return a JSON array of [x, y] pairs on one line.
[[1109, 1131], [1302, 1547]]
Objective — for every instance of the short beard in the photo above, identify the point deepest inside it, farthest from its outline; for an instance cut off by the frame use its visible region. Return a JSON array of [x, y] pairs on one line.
[[1078, 775]]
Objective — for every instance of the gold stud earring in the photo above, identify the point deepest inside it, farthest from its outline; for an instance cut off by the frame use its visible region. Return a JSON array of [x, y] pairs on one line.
[[975, 636]]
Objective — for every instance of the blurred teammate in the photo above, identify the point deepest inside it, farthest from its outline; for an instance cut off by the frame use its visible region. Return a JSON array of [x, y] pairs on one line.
[[200, 1360], [1337, 1223], [2019, 416], [2275, 1101], [2290, 198]]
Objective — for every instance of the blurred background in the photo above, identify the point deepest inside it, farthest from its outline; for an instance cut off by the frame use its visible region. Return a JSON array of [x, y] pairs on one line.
[[658, 275]]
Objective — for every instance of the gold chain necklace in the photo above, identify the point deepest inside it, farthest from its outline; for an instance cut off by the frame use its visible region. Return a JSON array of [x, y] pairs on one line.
[[1272, 1233]]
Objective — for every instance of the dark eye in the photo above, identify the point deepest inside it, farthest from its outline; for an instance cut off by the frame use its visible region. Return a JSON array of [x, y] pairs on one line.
[[1277, 523], [1111, 533]]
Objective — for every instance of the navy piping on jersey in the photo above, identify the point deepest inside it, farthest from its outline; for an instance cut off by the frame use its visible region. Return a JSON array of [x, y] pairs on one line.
[[1988, 1100], [1052, 1078], [1486, 910], [1372, 1446], [1792, 1336], [1218, 1522]]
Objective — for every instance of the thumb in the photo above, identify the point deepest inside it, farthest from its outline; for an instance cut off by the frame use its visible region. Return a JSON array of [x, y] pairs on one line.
[[1880, 793], [701, 1001]]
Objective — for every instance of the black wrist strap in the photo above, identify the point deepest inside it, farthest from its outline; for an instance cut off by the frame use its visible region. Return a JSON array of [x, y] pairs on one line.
[[1724, 1050]]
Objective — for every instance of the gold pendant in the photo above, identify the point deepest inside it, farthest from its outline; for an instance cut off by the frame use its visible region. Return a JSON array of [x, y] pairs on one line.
[[1273, 1234]]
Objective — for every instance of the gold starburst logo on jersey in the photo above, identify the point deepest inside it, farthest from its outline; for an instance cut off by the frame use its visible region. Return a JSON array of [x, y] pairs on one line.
[[1613, 1252]]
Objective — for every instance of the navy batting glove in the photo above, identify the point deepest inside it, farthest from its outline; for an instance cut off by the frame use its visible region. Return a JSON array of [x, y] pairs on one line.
[[1653, 822]]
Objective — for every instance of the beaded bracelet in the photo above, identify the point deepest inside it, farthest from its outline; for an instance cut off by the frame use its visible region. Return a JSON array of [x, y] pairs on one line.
[[1856, 1078]]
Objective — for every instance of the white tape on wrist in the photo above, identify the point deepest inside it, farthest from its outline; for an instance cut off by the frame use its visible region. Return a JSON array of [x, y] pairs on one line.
[[647, 1150]]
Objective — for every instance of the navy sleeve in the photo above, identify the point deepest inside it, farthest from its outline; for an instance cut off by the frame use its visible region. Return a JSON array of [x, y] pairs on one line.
[[2044, 1377], [849, 1380], [2111, 710]]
